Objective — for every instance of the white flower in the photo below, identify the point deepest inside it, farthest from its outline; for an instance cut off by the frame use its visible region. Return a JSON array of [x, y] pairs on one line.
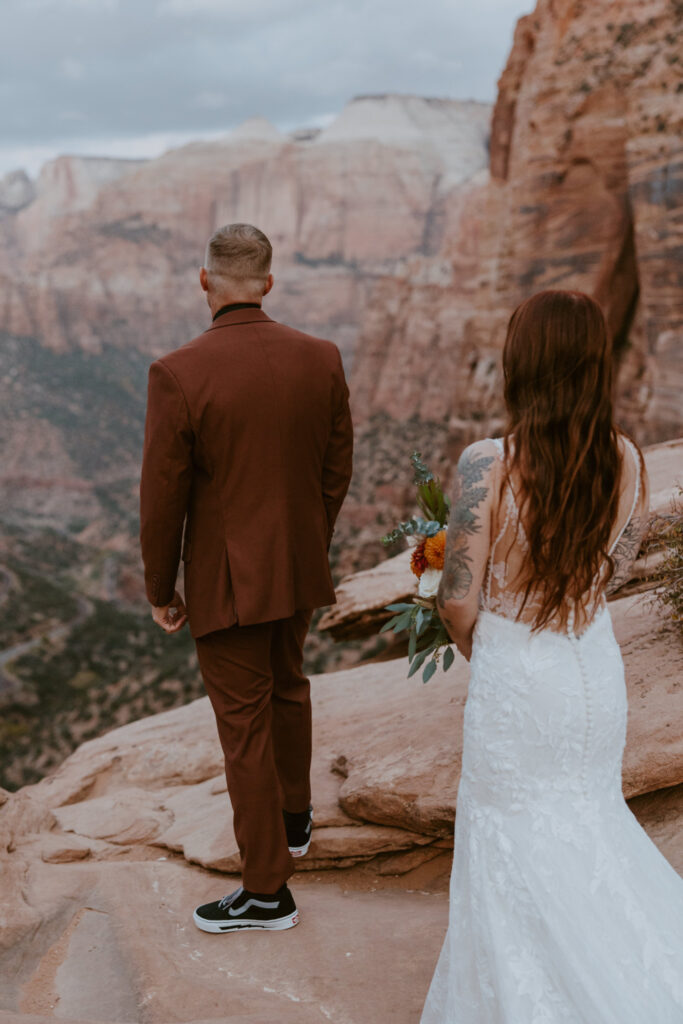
[[429, 582]]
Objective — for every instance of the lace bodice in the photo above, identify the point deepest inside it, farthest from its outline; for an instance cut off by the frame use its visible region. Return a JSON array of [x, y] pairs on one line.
[[510, 548]]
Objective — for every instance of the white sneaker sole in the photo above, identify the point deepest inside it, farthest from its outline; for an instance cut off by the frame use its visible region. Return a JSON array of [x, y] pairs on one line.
[[299, 851], [239, 925]]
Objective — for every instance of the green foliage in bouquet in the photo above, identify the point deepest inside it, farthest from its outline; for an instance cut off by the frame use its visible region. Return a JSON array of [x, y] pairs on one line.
[[430, 496], [427, 635], [431, 500]]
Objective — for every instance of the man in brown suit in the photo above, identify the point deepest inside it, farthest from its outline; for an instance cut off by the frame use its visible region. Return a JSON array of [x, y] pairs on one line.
[[248, 447]]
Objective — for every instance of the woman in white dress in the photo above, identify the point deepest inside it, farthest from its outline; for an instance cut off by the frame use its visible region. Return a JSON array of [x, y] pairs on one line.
[[562, 911]]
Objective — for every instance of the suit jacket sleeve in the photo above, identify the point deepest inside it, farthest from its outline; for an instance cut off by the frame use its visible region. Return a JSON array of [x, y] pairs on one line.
[[338, 462], [165, 482]]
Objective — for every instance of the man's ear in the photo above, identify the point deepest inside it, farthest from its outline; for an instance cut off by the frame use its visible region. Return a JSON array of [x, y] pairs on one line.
[[204, 279], [268, 285]]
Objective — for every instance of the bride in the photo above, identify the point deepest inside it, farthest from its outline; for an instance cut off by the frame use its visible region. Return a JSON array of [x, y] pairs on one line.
[[562, 911]]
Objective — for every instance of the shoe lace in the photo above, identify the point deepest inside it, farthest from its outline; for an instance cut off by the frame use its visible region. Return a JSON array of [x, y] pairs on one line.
[[230, 898]]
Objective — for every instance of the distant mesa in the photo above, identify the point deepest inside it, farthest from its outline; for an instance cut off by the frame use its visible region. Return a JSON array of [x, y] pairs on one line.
[[397, 118], [454, 132], [257, 128]]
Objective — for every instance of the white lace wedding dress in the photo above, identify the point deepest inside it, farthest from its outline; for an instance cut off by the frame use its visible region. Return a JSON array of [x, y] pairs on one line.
[[562, 910]]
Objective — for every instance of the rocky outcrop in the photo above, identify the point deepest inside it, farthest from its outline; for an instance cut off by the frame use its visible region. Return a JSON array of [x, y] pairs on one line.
[[385, 768], [104, 860], [584, 185], [583, 192], [108, 250]]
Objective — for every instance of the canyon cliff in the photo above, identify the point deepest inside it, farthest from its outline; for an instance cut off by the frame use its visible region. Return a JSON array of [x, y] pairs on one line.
[[98, 274], [107, 251], [583, 192], [406, 231]]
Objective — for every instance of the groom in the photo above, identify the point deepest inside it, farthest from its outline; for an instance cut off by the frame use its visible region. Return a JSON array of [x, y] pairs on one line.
[[248, 445]]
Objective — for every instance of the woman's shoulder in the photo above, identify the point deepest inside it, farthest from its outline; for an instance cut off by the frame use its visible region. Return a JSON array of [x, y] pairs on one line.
[[488, 448], [633, 470], [480, 462]]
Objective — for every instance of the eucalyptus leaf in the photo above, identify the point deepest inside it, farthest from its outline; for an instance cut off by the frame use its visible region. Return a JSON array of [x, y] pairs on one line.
[[389, 625], [403, 621], [412, 643], [417, 662], [405, 529], [422, 472], [424, 622], [448, 658], [429, 671]]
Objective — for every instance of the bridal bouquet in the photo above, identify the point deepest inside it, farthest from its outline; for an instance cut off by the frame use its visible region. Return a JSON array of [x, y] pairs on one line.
[[427, 636]]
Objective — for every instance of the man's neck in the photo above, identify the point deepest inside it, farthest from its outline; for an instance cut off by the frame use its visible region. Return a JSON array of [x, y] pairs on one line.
[[228, 307]]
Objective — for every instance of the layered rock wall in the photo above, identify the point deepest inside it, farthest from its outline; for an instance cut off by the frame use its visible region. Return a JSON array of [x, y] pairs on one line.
[[108, 251], [585, 182]]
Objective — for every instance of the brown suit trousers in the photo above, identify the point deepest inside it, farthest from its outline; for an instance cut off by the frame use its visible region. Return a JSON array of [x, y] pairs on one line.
[[253, 676]]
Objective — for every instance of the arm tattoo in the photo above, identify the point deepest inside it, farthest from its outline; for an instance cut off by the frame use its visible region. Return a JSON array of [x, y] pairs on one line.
[[457, 576], [625, 554]]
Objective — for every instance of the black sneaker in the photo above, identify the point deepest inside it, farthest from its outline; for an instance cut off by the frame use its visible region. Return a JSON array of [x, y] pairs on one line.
[[243, 909], [298, 828]]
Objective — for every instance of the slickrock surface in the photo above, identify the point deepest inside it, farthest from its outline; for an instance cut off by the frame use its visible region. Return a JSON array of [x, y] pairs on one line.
[[117, 943], [103, 861]]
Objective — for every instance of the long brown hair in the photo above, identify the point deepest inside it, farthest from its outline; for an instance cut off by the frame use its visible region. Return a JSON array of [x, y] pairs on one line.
[[558, 370]]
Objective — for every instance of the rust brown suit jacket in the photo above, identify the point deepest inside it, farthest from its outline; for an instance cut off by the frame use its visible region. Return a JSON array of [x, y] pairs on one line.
[[248, 444]]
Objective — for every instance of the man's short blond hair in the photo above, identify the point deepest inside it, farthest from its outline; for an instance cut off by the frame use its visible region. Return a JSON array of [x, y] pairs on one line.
[[240, 252]]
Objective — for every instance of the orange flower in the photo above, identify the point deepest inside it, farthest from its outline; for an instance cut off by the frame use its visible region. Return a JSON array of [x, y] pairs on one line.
[[418, 562], [434, 549]]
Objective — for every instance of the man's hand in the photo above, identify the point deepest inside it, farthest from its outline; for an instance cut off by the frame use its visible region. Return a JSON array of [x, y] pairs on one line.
[[171, 617]]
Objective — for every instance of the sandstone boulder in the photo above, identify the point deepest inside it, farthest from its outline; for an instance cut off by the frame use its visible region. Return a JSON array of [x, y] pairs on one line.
[[104, 861], [386, 762]]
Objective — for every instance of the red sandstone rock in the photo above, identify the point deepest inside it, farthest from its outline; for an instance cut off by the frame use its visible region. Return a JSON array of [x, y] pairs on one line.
[[109, 249], [96, 908], [585, 158]]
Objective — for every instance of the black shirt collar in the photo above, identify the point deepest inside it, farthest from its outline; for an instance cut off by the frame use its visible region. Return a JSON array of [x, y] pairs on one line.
[[235, 305]]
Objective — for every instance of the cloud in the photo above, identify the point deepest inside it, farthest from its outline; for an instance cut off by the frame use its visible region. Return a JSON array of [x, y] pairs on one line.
[[143, 67], [71, 69], [211, 100], [232, 10], [91, 6], [128, 147], [71, 115]]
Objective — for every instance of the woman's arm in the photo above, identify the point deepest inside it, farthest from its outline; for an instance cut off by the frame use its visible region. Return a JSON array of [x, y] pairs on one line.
[[626, 551], [468, 543]]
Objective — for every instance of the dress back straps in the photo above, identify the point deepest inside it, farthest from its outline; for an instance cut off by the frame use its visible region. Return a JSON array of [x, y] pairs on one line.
[[636, 493], [500, 450]]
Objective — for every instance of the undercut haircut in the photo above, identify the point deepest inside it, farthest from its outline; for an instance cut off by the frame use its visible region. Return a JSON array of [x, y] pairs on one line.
[[240, 252]]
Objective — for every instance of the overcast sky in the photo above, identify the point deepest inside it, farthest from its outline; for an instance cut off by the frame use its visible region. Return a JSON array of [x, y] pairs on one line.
[[132, 77]]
